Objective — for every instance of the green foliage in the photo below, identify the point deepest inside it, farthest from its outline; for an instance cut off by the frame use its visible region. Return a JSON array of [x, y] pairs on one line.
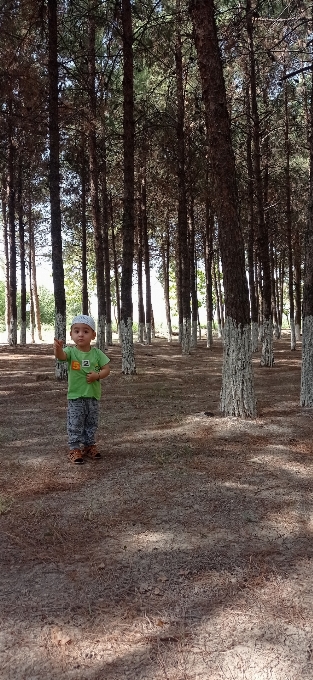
[[46, 306], [73, 295]]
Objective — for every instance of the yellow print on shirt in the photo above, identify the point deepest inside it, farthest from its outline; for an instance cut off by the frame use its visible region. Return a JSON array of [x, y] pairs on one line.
[[75, 365]]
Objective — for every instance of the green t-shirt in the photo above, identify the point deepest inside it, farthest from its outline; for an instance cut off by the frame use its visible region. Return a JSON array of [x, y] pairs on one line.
[[79, 364]]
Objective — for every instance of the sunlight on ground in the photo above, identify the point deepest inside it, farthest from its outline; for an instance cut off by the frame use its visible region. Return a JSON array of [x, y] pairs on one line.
[[238, 485], [279, 461]]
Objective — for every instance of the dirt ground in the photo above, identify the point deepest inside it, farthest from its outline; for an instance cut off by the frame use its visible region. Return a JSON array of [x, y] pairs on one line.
[[185, 553]]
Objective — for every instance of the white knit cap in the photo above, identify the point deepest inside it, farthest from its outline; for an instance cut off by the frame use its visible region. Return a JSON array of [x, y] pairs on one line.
[[83, 318]]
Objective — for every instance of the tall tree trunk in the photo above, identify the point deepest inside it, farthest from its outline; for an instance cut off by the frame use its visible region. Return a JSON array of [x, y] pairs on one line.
[[185, 331], [297, 282], [54, 185], [208, 259], [141, 309], [146, 249], [193, 275], [106, 249], [152, 324], [165, 251], [178, 279], [281, 286], [12, 237], [306, 394], [219, 283], [83, 179], [6, 266], [21, 232], [289, 224], [217, 297], [128, 357], [34, 287], [115, 265], [237, 395], [31, 301], [34, 299], [267, 356], [250, 250], [273, 291], [94, 175]]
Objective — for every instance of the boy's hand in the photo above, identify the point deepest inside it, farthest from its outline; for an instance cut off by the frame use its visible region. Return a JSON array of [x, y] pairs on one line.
[[58, 350], [92, 377]]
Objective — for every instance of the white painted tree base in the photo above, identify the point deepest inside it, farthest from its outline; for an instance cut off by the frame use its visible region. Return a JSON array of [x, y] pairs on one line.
[[141, 332], [306, 394], [12, 336], [293, 341], [237, 393], [108, 333], [298, 332], [209, 335], [276, 332], [101, 333], [60, 334], [186, 336], [23, 333], [128, 357], [194, 334], [267, 354], [254, 336], [148, 338]]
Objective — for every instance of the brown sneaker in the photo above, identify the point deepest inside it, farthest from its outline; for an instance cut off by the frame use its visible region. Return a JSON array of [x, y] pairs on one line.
[[91, 452], [76, 456]]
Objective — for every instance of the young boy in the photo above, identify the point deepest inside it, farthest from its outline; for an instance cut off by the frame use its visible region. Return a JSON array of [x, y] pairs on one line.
[[86, 367]]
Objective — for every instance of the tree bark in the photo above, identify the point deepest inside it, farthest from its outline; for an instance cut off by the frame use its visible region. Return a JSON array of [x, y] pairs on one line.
[[115, 265], [106, 250], [54, 186], [208, 258], [267, 356], [21, 232], [251, 235], [83, 179], [306, 393], [219, 310], [165, 251], [181, 187], [297, 282], [237, 394], [94, 175], [141, 309], [289, 225], [193, 276], [6, 266], [12, 237], [146, 249], [277, 328], [128, 357]]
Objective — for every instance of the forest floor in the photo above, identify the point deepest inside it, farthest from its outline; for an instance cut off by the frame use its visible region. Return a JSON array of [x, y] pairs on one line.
[[185, 553]]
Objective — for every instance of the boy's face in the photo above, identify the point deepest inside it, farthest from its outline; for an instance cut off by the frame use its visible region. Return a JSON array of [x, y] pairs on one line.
[[82, 335]]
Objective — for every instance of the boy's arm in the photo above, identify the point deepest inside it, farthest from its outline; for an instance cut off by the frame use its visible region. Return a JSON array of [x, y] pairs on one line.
[[103, 373], [58, 350]]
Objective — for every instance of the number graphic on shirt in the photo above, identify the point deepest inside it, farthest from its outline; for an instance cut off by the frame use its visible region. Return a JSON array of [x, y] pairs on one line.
[[75, 365]]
